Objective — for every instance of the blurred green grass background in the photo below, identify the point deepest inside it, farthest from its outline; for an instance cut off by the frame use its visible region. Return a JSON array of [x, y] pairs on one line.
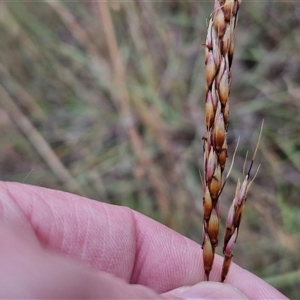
[[114, 111]]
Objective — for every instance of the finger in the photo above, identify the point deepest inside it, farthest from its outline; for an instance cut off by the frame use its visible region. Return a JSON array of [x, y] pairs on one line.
[[207, 290], [29, 271], [119, 240]]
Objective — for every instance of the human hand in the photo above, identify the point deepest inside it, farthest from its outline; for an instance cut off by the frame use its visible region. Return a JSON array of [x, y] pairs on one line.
[[59, 245]]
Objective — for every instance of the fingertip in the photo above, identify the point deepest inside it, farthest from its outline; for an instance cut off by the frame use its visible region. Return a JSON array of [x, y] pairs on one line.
[[207, 290]]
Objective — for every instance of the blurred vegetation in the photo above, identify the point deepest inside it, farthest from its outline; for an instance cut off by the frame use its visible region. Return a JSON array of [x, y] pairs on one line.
[[108, 103]]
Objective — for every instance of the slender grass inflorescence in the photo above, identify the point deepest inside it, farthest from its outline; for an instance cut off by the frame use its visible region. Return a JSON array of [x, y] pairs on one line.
[[233, 223], [219, 48], [235, 215]]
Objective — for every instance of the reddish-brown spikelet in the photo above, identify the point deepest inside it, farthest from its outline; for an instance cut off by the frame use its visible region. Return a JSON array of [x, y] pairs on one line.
[[228, 255], [213, 228], [224, 88], [210, 69], [218, 58], [209, 110], [233, 223], [219, 132], [219, 22], [215, 184], [208, 255], [207, 204], [222, 155]]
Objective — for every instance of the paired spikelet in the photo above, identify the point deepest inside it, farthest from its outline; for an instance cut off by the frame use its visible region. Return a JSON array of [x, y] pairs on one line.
[[219, 50]]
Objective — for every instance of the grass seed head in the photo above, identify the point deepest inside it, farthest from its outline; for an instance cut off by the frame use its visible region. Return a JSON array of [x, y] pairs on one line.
[[218, 58]]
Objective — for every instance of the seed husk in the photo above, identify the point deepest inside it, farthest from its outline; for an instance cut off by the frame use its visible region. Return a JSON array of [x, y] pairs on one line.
[[209, 111], [216, 184], [219, 132], [208, 256], [211, 70], [219, 22], [213, 228], [207, 204]]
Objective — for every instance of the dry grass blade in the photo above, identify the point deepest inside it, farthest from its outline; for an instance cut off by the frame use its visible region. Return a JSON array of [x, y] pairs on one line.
[[219, 48], [77, 31], [39, 143], [121, 94]]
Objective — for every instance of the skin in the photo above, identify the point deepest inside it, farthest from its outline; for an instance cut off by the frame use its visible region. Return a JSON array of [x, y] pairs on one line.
[[59, 245]]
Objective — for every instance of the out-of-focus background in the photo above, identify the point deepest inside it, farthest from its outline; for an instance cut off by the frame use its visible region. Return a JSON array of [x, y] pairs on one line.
[[106, 100]]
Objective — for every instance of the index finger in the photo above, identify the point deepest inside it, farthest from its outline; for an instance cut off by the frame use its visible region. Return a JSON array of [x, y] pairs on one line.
[[117, 240]]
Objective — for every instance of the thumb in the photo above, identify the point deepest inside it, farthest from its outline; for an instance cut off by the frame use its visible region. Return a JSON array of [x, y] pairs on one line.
[[28, 270], [206, 290]]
